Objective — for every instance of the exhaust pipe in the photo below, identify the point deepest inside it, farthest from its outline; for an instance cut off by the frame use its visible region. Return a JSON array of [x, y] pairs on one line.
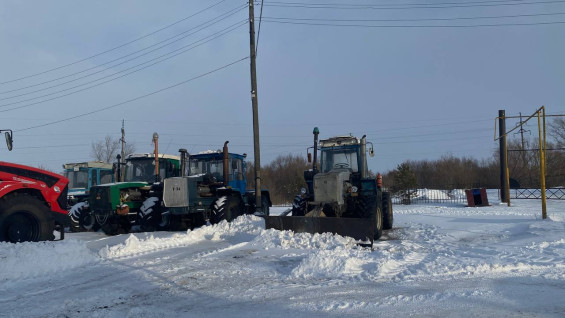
[[316, 132], [156, 142], [364, 171], [183, 158], [226, 164]]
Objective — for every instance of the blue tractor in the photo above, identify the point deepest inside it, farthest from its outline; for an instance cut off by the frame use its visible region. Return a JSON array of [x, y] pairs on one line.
[[341, 196], [83, 175], [212, 188]]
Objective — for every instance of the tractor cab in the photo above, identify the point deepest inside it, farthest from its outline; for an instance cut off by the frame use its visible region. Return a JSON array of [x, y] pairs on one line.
[[341, 153], [211, 164], [142, 167], [83, 175]]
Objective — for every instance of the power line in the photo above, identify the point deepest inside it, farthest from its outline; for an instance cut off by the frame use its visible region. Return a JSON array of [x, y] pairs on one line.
[[417, 26], [115, 78], [203, 26], [134, 99], [115, 48], [446, 5], [416, 20]]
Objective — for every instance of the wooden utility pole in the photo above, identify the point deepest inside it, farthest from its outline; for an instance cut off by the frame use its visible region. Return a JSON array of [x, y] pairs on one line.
[[504, 186], [255, 106]]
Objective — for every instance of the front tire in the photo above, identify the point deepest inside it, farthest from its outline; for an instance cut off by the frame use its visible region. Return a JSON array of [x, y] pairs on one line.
[[368, 208], [25, 218], [388, 217], [226, 208], [299, 206]]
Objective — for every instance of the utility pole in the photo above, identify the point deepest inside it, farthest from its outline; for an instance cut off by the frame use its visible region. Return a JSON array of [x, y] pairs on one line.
[[255, 106], [504, 190], [123, 141]]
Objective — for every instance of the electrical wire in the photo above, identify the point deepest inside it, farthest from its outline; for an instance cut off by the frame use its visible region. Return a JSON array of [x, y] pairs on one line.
[[198, 28], [136, 98], [447, 5], [215, 36], [418, 20], [419, 26], [115, 48], [259, 31]]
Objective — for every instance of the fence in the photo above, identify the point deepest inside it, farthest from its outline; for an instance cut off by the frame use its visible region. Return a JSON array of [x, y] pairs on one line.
[[414, 196], [528, 193]]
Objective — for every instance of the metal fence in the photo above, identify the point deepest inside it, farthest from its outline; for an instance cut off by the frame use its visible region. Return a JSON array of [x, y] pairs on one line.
[[550, 193], [415, 196]]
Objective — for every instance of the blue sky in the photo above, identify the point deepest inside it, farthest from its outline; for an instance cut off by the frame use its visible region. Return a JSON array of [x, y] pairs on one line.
[[425, 83]]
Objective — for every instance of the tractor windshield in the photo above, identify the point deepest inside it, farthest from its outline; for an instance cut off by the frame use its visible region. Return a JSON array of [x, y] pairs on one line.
[[210, 166], [142, 170], [77, 179], [335, 158]]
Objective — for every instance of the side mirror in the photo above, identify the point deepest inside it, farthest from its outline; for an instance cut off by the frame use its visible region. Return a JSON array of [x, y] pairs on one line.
[[309, 158], [371, 152], [8, 140]]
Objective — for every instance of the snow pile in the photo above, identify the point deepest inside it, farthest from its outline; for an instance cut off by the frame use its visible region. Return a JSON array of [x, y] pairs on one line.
[[28, 259], [427, 194], [242, 227]]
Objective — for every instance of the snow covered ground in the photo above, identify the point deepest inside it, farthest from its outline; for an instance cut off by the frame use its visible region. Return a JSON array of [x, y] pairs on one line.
[[439, 260]]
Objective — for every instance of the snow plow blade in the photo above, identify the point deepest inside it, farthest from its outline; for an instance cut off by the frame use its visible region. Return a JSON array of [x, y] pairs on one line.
[[357, 228]]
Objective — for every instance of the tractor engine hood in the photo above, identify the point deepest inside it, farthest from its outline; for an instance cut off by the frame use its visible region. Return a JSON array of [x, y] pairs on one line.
[[329, 186]]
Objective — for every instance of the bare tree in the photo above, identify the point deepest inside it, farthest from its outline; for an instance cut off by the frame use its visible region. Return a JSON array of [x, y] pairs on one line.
[[105, 150], [557, 130]]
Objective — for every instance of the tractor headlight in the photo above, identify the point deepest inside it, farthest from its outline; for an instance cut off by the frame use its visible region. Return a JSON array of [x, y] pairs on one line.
[[354, 189]]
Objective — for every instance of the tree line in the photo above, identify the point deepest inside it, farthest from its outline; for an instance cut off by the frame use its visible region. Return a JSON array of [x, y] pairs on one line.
[[284, 176]]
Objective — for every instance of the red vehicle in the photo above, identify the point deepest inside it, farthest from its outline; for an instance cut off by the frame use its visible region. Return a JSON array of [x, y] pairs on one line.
[[33, 203]]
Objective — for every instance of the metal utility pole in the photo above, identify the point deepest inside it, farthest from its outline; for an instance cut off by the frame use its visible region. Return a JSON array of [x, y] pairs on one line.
[[255, 106], [504, 190]]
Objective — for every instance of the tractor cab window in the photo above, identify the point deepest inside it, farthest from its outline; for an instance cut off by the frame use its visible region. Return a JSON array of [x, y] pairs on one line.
[[140, 170], [212, 167], [236, 169], [106, 176], [77, 179], [340, 158]]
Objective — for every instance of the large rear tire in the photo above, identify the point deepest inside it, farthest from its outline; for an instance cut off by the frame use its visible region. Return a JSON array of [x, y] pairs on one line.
[[388, 217], [149, 215], [226, 208], [368, 208], [25, 218]]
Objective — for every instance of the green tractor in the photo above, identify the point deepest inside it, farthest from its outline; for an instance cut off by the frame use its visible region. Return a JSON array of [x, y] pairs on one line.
[[113, 207], [341, 197], [212, 188]]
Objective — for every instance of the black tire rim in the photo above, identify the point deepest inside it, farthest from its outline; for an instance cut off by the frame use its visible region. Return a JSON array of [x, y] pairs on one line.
[[22, 227]]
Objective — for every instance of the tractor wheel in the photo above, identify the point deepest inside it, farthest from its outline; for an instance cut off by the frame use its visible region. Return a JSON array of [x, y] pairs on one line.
[[368, 208], [81, 218], [387, 211], [265, 205], [299, 206], [226, 208], [25, 218], [86, 219], [149, 215], [74, 219], [116, 224]]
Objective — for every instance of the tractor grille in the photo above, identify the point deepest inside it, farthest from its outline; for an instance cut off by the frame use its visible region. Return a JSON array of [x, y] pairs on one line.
[[100, 198], [62, 199]]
